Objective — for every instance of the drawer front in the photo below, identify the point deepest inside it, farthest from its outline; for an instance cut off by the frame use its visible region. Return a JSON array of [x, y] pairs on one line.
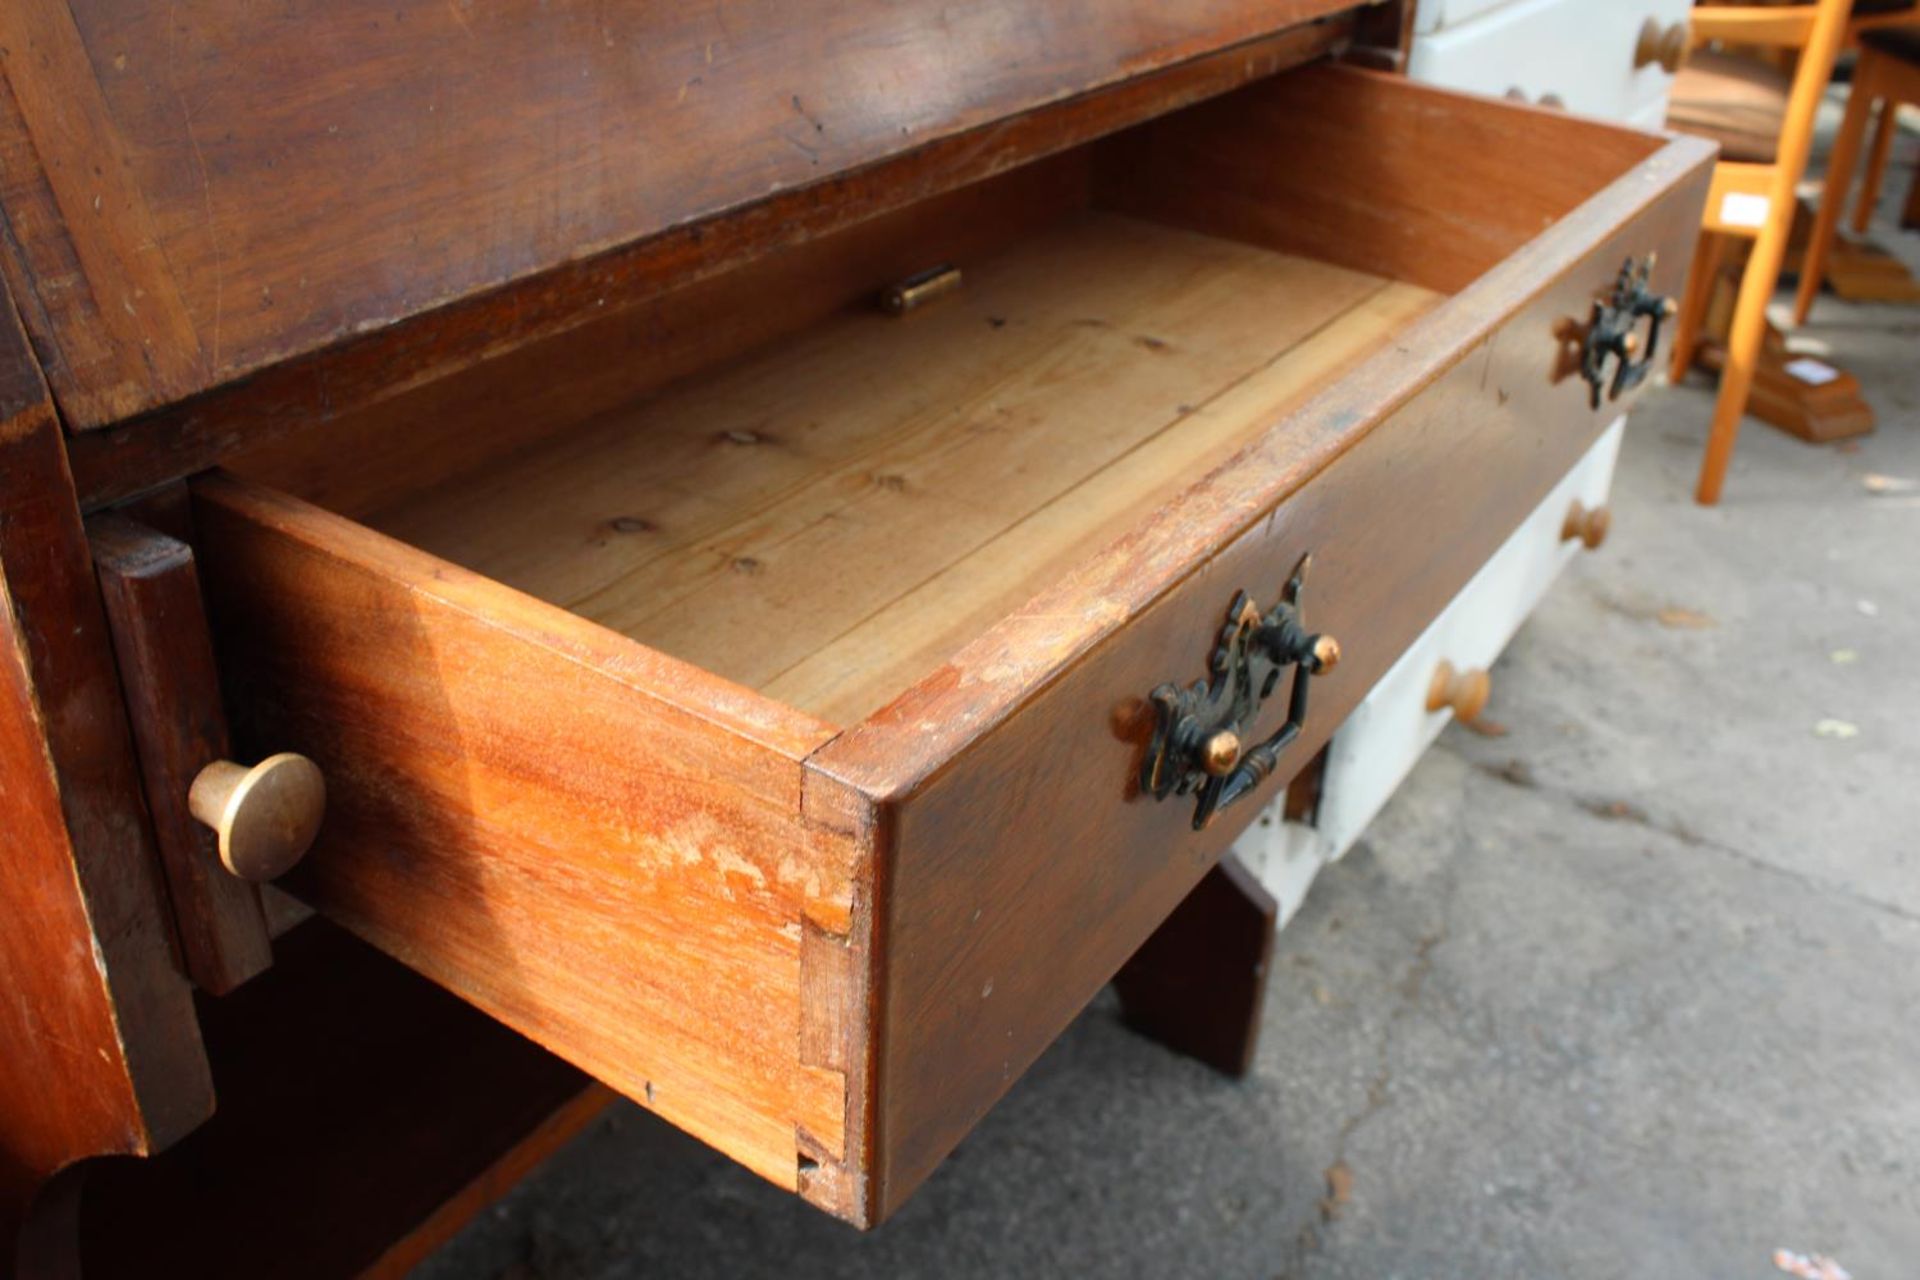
[[1570, 53], [1021, 862], [1378, 745]]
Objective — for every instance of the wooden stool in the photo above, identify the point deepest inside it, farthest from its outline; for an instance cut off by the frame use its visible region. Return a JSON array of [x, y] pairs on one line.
[[1887, 75]]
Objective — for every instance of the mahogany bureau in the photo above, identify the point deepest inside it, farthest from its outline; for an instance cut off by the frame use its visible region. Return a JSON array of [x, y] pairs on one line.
[[776, 556]]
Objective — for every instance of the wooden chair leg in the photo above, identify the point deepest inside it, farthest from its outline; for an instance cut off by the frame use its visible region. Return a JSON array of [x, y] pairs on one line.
[[1199, 983], [1883, 131], [1694, 303], [1748, 331], [1833, 196]]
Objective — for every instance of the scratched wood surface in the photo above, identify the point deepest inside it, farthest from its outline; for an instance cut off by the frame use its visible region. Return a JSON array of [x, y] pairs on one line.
[[779, 522], [596, 844], [462, 381], [160, 638], [99, 1049], [203, 189]]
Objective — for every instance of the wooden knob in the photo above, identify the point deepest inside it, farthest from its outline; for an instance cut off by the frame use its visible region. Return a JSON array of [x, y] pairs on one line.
[[1589, 527], [1664, 45], [1465, 693], [266, 816], [1221, 753]]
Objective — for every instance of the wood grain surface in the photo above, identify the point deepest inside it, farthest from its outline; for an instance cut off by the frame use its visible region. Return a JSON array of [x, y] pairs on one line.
[[1430, 187], [160, 638], [598, 845], [478, 358], [99, 1048], [829, 520], [207, 189]]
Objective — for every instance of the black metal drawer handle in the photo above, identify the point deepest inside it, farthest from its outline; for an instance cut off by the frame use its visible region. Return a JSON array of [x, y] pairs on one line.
[[1614, 331], [1199, 731]]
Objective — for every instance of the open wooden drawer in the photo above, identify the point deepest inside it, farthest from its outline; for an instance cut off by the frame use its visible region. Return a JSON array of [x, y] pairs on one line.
[[772, 746]]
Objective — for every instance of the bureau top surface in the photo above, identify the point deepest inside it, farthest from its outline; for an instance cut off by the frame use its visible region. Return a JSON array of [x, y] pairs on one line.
[[195, 191]]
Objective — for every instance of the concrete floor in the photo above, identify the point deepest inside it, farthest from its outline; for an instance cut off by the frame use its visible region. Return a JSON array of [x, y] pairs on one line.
[[1631, 991]]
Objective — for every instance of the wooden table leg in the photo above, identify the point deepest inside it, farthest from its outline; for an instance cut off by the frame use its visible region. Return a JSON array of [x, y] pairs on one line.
[[1199, 983]]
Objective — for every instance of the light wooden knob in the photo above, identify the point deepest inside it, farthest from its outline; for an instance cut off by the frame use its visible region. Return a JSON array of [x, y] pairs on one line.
[[1588, 526], [266, 816], [1664, 45], [1221, 753], [1465, 693]]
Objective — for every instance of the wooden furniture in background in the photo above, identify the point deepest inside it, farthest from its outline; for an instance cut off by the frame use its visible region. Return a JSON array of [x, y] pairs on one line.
[[1886, 76], [1805, 396], [1751, 199], [1614, 61], [1866, 16]]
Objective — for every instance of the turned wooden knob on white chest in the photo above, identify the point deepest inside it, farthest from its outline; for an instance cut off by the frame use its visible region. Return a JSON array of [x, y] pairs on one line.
[[266, 816], [1587, 525], [1465, 693], [1666, 45]]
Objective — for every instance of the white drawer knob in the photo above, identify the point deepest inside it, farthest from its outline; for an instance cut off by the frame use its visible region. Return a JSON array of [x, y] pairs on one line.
[[1464, 693]]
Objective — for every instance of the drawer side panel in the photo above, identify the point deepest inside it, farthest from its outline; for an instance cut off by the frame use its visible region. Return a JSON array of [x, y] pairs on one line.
[[594, 844]]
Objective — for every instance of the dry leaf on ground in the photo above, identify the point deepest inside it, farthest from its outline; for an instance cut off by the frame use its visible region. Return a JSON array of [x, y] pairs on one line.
[[1679, 619], [1339, 1190], [1877, 484]]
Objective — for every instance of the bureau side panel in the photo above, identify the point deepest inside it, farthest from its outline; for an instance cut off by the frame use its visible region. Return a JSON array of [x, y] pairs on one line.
[[99, 1046]]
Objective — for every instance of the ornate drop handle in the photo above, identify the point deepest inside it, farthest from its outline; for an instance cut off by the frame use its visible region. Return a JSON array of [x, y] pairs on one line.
[[1613, 331], [1198, 731]]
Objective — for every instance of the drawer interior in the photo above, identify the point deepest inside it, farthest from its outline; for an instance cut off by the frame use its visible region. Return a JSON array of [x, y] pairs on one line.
[[770, 477], [825, 519]]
